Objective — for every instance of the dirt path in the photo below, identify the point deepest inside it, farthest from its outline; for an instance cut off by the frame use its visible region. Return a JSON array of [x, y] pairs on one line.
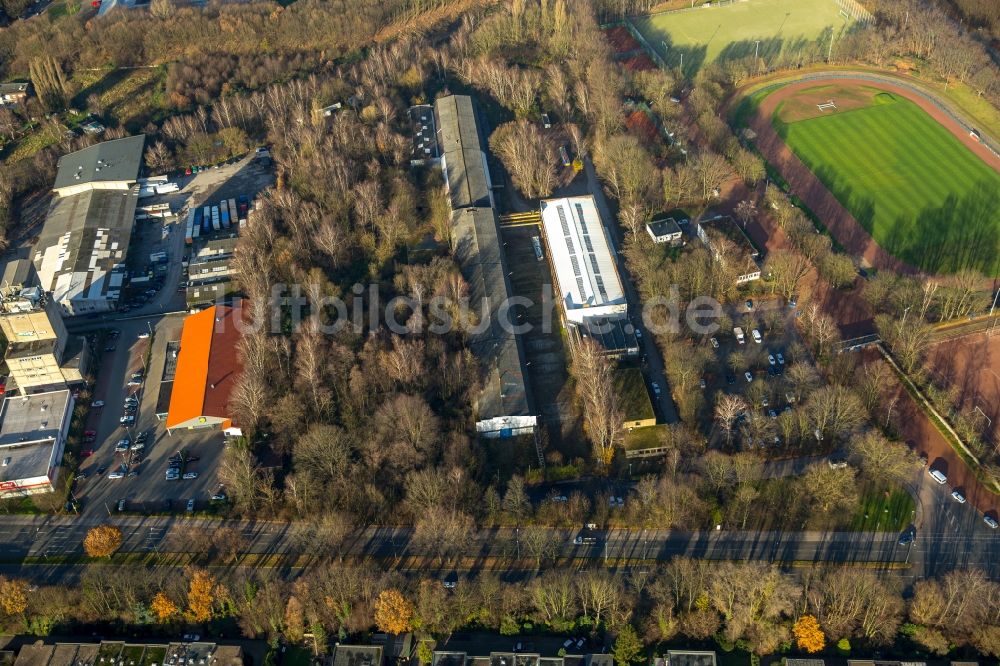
[[841, 224]]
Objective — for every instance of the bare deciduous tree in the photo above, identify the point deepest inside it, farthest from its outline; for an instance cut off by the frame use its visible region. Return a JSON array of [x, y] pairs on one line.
[[528, 156], [595, 388]]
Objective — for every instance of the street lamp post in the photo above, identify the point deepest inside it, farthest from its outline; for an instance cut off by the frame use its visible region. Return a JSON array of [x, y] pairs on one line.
[[992, 308]]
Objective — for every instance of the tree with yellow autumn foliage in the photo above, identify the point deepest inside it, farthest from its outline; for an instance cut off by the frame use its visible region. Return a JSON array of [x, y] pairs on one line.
[[393, 612], [200, 597], [164, 607], [102, 541], [808, 634], [13, 596]]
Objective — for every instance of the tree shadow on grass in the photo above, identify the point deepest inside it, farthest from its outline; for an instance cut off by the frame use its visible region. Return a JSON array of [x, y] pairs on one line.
[[963, 232]]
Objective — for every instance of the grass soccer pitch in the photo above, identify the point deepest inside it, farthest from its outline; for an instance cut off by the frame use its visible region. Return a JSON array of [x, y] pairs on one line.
[[922, 195], [727, 32]]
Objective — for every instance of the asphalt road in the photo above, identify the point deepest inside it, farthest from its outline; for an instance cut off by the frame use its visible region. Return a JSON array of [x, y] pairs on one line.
[[931, 553]]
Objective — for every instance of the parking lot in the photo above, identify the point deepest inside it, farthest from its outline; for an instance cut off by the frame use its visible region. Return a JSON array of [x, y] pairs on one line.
[[135, 341], [758, 371], [144, 486]]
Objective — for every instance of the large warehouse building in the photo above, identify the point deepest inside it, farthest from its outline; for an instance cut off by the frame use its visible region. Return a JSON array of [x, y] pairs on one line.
[[208, 366], [586, 277], [463, 160], [81, 251], [504, 405], [32, 438]]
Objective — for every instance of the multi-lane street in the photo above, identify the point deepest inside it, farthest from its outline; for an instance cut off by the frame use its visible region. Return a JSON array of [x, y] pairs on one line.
[[949, 535]]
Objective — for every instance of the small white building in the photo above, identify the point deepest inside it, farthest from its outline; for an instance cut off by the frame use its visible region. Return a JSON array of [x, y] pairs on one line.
[[665, 230], [32, 438], [586, 275]]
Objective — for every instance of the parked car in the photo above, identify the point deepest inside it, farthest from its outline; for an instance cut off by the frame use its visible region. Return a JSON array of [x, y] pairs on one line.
[[117, 474], [958, 496], [191, 638], [748, 376], [991, 521], [190, 509], [121, 505], [190, 476], [770, 359], [715, 343], [781, 359], [656, 389], [756, 336], [749, 304], [122, 445], [938, 476], [97, 404], [908, 536], [836, 462]]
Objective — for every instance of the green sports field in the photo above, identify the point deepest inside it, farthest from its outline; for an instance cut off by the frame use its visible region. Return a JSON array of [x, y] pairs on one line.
[[921, 194], [707, 34]]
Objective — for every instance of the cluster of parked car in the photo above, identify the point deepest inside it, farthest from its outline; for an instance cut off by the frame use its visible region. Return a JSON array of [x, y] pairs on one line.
[[175, 467], [957, 495]]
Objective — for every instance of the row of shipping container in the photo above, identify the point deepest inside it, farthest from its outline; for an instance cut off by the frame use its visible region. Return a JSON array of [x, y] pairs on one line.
[[207, 219]]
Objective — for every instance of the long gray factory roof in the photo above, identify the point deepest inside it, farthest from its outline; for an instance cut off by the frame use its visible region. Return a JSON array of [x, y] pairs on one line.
[[118, 160], [462, 151], [476, 238]]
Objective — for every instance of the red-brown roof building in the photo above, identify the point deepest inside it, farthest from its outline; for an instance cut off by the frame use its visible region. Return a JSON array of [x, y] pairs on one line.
[[208, 365]]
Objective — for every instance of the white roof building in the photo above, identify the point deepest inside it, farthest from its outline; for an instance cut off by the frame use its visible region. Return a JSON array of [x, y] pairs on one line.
[[32, 438], [586, 275]]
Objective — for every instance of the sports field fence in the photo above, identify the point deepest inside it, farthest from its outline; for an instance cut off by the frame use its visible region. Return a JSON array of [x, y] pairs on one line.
[[855, 11]]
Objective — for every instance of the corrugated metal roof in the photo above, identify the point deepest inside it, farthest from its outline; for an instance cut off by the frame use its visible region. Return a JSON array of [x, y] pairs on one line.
[[476, 238], [461, 150]]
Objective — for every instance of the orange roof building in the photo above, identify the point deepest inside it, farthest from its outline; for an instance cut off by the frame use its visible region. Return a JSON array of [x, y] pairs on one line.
[[208, 365]]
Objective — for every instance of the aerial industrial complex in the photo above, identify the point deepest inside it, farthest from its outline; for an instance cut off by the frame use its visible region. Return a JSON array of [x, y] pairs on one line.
[[81, 252]]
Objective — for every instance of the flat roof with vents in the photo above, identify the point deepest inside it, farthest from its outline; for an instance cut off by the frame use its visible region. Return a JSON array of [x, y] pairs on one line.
[[586, 277], [32, 435], [113, 163]]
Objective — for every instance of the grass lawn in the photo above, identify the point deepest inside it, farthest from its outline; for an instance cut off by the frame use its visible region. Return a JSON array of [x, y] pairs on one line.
[[731, 32], [914, 187], [883, 510], [153, 656], [648, 437], [633, 398]]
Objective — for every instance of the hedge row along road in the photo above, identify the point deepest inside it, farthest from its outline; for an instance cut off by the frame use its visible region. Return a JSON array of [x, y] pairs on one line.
[[844, 226]]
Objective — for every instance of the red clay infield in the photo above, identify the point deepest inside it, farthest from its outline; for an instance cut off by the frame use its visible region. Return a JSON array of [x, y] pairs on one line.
[[842, 225]]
